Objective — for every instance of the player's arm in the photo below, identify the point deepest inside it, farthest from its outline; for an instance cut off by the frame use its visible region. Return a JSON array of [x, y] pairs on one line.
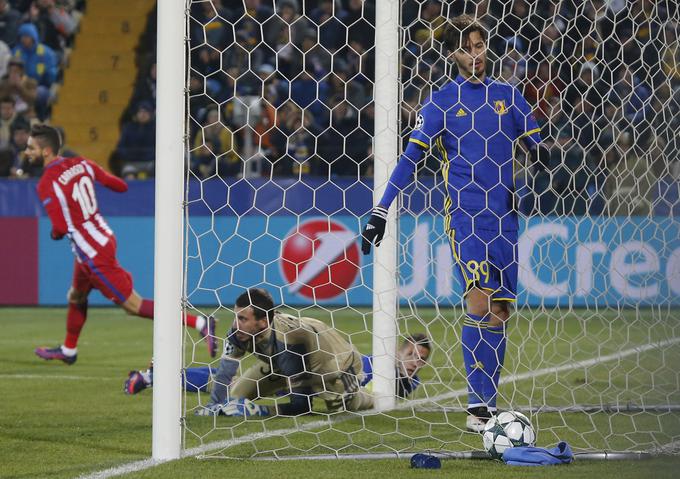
[[112, 182], [49, 200], [527, 130], [229, 362], [429, 125]]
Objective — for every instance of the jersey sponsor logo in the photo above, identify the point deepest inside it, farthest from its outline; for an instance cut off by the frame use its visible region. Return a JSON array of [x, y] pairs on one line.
[[499, 107], [320, 259], [461, 112], [420, 121]]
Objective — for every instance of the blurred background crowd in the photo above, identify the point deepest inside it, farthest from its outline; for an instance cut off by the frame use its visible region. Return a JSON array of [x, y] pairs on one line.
[[36, 37], [284, 88]]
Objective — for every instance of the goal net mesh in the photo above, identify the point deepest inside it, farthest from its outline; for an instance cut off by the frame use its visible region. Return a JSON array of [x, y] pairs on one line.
[[280, 166]]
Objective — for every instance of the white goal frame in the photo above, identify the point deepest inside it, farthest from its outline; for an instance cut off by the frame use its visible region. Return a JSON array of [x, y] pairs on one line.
[[169, 235]]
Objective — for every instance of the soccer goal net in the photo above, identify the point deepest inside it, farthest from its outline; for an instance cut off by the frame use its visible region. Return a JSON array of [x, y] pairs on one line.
[[297, 112]]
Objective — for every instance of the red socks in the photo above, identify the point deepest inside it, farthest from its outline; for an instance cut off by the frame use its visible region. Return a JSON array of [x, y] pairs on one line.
[[75, 320], [146, 311]]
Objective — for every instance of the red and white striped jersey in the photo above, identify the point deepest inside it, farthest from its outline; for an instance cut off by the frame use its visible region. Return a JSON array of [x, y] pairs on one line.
[[67, 192]]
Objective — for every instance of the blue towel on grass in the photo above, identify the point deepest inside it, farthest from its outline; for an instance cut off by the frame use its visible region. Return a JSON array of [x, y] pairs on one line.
[[538, 456]]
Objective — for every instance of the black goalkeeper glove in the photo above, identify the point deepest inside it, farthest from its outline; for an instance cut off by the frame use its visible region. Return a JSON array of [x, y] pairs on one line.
[[540, 156], [374, 230]]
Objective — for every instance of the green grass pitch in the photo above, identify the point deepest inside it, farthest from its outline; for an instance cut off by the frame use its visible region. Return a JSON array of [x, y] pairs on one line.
[[63, 421]]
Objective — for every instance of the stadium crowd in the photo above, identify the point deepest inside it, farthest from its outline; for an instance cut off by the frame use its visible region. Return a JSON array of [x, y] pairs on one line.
[[285, 89], [36, 37]]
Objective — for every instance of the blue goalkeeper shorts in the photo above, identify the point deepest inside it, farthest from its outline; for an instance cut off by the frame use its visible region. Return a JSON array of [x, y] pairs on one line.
[[486, 260]]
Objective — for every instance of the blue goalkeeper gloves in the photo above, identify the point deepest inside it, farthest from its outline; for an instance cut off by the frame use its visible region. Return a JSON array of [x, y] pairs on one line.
[[374, 230], [234, 408]]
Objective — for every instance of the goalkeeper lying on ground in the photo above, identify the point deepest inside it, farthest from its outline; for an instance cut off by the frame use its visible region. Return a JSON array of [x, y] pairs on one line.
[[314, 360]]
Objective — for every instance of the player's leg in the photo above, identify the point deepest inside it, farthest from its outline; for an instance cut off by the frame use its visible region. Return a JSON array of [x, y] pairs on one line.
[[469, 253], [138, 380], [115, 282], [76, 316], [495, 340], [195, 379], [475, 352], [503, 265], [136, 305]]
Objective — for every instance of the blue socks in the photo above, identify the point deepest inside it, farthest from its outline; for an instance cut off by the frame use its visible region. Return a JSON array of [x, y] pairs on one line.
[[483, 353], [473, 350], [494, 356]]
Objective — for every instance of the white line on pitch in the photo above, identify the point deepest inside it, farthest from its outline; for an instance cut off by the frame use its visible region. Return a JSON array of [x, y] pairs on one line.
[[149, 463], [56, 376]]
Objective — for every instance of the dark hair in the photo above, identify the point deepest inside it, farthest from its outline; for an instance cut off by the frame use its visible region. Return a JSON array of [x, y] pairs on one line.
[[7, 99], [458, 31], [260, 300], [418, 339], [47, 136]]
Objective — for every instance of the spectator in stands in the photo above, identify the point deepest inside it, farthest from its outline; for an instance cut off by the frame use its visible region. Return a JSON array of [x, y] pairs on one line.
[[8, 116], [343, 145], [671, 56], [635, 102], [331, 30], [40, 63], [20, 87], [514, 58], [145, 88], [5, 163], [266, 121], [293, 142], [251, 24], [430, 23], [307, 92], [54, 22], [317, 58], [541, 89], [211, 24], [289, 28], [340, 85], [137, 145], [214, 149], [21, 167], [199, 100], [9, 23], [586, 87], [129, 173], [359, 18], [39, 59]]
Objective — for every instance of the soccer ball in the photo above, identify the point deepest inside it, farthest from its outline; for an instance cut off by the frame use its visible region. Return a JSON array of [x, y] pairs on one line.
[[507, 429]]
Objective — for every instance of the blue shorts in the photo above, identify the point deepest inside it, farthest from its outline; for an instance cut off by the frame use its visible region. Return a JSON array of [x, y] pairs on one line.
[[486, 260]]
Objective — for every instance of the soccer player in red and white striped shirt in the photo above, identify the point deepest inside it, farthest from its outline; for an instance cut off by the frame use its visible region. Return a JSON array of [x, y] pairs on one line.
[[67, 192]]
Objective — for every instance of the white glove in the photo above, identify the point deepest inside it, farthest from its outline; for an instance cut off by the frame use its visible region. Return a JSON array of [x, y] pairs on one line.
[[243, 408], [210, 409]]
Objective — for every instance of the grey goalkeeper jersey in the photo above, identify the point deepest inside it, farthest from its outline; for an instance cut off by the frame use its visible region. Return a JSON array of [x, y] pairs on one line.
[[293, 347]]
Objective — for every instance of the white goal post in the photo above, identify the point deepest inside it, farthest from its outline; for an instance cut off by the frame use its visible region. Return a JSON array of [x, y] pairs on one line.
[[169, 231]]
